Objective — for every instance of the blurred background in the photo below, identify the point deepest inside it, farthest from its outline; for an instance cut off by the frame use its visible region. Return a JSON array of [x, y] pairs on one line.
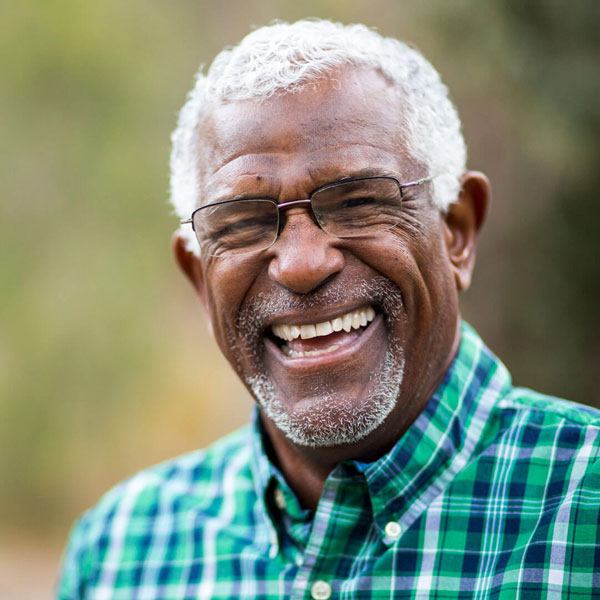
[[106, 365]]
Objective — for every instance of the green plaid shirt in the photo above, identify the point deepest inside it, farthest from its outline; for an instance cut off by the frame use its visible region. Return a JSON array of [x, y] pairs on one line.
[[494, 492]]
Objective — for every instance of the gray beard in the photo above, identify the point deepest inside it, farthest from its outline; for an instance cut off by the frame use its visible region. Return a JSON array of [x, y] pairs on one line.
[[333, 420]]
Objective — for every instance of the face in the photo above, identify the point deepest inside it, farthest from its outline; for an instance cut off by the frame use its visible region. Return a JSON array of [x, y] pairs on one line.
[[376, 315]]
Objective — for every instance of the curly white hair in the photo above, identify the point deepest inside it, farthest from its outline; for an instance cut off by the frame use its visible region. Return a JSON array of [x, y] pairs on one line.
[[285, 58]]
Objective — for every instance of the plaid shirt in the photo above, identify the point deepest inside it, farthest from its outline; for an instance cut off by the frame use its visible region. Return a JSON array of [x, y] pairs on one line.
[[493, 492]]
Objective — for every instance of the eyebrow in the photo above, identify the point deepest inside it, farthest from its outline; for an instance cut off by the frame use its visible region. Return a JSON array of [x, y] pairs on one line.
[[366, 172]]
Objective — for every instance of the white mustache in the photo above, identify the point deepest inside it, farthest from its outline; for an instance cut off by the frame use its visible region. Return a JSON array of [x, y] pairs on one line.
[[379, 291]]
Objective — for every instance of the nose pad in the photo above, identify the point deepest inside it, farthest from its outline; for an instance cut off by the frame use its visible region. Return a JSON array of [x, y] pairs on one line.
[[305, 257]]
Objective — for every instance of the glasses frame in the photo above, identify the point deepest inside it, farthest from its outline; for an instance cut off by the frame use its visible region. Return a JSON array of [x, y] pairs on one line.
[[283, 206]]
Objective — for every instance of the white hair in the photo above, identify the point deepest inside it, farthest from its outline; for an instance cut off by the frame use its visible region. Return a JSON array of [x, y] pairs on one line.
[[285, 58]]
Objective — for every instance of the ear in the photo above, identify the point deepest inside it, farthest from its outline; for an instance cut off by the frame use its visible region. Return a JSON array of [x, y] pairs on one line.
[[462, 222], [191, 265]]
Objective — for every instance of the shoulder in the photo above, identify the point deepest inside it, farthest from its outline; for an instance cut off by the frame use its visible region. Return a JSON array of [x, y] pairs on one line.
[[549, 408], [189, 481], [159, 501], [567, 423], [548, 431]]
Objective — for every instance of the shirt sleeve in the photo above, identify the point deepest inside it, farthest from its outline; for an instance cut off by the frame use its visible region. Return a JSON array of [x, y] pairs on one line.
[[76, 563]]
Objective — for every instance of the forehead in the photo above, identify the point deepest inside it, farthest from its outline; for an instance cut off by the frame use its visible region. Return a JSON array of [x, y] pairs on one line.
[[352, 121]]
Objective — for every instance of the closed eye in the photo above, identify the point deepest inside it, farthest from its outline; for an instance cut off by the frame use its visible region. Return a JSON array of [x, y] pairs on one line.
[[360, 201]]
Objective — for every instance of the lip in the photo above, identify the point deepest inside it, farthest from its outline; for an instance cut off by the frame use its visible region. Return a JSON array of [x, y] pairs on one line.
[[344, 353]]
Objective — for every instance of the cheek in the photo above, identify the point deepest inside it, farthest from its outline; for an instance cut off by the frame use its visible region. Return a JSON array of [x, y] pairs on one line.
[[415, 259], [440, 289], [428, 246], [435, 270], [402, 256], [227, 284]]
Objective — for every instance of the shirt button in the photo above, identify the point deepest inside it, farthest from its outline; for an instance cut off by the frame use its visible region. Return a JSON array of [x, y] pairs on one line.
[[320, 590], [279, 499], [393, 530]]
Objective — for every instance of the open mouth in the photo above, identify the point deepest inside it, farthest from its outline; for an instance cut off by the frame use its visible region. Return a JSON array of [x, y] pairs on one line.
[[308, 340]]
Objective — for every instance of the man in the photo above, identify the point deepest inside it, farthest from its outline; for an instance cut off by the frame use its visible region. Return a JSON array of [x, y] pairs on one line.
[[328, 223]]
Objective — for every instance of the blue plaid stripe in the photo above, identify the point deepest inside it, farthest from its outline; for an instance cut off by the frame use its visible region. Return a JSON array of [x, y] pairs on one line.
[[496, 491]]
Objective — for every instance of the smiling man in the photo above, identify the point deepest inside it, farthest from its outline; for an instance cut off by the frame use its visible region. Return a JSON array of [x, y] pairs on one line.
[[328, 224]]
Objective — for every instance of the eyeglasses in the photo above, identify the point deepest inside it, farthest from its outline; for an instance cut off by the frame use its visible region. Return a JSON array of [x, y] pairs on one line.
[[344, 209]]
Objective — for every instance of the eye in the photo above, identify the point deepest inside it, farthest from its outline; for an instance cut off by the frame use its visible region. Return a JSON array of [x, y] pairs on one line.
[[360, 201], [244, 226], [237, 227]]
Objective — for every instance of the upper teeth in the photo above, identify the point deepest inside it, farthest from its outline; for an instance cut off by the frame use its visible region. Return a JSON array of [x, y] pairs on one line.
[[352, 320]]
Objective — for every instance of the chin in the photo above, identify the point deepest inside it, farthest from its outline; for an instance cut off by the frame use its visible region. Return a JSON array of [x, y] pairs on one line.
[[333, 397], [332, 418]]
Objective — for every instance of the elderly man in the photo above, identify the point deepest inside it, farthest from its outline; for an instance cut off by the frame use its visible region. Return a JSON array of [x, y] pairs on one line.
[[328, 223]]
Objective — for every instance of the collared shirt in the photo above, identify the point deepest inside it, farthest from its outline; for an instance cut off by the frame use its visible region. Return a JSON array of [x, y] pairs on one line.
[[493, 492]]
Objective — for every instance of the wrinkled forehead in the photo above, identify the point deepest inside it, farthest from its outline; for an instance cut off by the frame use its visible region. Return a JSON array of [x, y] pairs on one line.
[[352, 113]]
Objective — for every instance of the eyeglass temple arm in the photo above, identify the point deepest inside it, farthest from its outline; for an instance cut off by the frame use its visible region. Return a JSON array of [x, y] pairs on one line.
[[415, 183]]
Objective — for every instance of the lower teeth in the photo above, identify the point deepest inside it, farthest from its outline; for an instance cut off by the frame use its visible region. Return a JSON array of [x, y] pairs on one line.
[[295, 354]]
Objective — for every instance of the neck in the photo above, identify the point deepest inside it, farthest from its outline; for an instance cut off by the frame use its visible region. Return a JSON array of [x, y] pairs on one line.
[[306, 469]]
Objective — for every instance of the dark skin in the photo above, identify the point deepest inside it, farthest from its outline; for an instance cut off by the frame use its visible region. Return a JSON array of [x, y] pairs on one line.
[[284, 148]]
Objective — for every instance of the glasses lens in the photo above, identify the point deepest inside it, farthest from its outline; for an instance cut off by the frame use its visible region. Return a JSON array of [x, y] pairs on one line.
[[358, 207], [236, 227]]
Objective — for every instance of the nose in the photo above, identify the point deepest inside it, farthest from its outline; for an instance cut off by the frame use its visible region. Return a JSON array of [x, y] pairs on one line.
[[305, 257]]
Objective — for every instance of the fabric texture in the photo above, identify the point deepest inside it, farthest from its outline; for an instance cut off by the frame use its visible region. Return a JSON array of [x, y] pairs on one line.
[[493, 492]]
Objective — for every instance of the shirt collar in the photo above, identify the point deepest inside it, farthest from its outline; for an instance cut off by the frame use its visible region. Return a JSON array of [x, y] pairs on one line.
[[440, 442]]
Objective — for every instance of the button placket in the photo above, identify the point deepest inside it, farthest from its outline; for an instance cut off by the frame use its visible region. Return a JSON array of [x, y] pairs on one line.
[[307, 578]]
